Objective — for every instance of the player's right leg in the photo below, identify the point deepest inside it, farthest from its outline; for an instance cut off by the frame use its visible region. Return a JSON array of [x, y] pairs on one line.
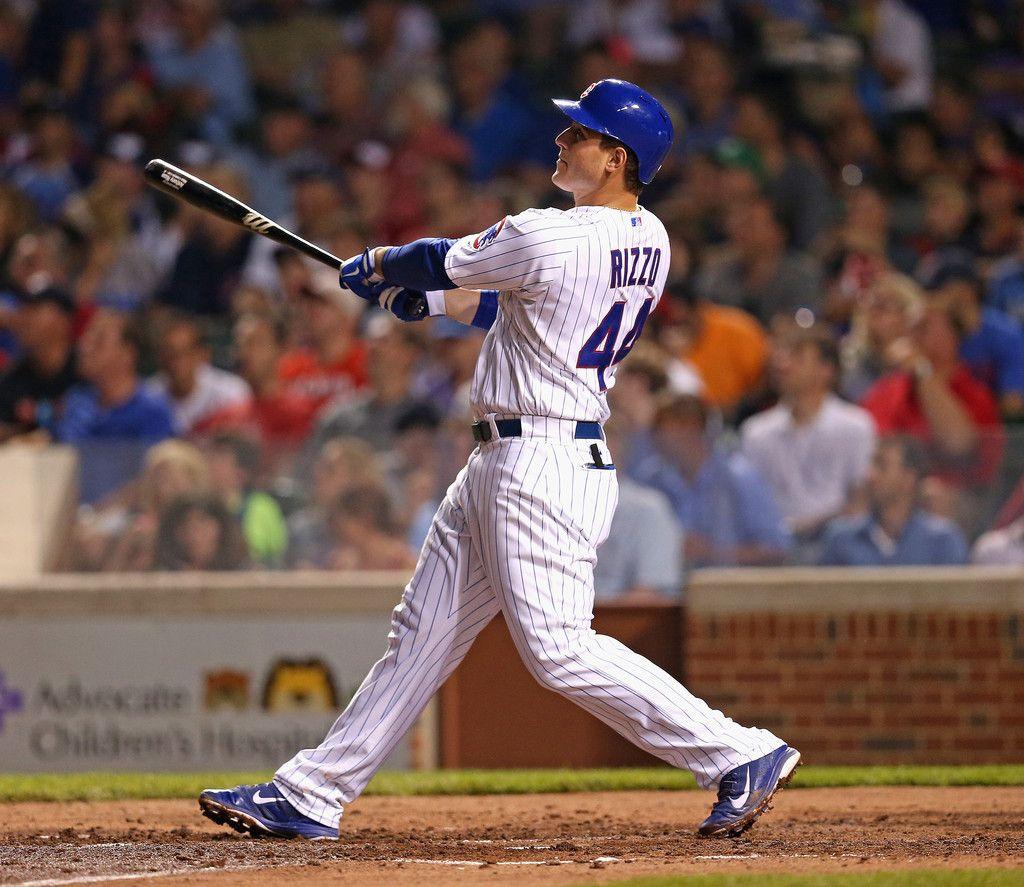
[[445, 606], [538, 521]]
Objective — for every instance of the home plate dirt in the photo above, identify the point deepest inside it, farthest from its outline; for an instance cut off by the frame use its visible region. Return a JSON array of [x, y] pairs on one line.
[[531, 839]]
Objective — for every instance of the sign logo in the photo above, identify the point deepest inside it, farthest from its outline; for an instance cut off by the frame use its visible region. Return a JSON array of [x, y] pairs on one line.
[[489, 235], [256, 222], [173, 179], [295, 685], [225, 689], [586, 92], [11, 700]]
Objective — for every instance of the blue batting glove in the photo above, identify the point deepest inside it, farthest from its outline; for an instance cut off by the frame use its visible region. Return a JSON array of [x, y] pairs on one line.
[[357, 275], [406, 304]]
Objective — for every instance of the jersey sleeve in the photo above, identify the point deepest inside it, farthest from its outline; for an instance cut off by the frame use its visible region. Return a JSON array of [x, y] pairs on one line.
[[517, 252]]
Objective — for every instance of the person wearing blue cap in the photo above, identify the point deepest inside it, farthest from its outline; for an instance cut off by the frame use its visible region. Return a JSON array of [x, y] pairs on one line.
[[564, 296]]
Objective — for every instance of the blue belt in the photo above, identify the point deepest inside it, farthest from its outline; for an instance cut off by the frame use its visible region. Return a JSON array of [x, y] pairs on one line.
[[514, 428]]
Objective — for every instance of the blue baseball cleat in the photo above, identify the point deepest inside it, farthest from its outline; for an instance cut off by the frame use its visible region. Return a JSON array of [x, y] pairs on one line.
[[261, 811], [746, 792]]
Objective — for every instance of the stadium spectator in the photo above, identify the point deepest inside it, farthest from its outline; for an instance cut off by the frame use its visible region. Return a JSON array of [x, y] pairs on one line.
[[725, 346], [993, 344], [896, 531], [1005, 290], [901, 53], [394, 350], [330, 365], [934, 397], [495, 120], [198, 533], [200, 62], [32, 390], [915, 159], [708, 80], [641, 382], [945, 225], [756, 272], [286, 148], [47, 175], [112, 418], [642, 558], [55, 55], [347, 117], [444, 379], [1003, 547], [725, 507], [129, 247], [798, 191], [401, 37], [364, 533], [865, 232], [199, 393], [813, 449], [112, 403], [997, 202], [234, 463], [881, 325], [212, 258], [280, 416], [342, 464], [122, 535]]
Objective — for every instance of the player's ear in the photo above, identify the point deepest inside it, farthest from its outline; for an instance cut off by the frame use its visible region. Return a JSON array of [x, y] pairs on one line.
[[617, 159]]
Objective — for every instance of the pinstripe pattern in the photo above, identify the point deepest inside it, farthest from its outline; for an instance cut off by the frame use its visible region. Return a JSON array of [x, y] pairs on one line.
[[554, 273], [518, 530]]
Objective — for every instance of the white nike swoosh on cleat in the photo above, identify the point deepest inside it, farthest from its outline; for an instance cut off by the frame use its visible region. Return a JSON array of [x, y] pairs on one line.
[[259, 799], [742, 799]]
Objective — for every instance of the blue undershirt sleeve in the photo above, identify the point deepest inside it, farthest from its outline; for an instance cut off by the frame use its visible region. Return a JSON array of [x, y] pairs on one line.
[[418, 265], [487, 310]]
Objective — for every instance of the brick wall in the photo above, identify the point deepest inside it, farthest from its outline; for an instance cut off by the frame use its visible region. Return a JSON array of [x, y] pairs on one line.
[[862, 667]]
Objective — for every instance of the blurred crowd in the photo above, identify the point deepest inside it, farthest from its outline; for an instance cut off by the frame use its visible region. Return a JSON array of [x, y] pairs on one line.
[[834, 376]]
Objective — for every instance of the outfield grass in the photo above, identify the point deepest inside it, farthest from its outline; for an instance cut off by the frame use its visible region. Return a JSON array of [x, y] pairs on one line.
[[117, 786], [919, 878]]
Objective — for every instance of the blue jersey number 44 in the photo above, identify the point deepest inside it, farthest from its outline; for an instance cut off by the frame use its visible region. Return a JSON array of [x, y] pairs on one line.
[[600, 352]]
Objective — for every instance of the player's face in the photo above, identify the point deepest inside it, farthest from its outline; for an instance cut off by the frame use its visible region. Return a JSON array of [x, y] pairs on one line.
[[581, 160]]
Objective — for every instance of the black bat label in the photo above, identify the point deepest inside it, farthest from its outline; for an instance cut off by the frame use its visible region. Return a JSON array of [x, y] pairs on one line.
[[172, 179]]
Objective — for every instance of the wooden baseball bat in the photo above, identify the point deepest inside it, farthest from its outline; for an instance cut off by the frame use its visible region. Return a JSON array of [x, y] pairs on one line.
[[178, 183]]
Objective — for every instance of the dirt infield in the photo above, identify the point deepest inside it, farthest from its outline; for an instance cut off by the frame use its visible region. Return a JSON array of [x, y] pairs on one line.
[[531, 839]]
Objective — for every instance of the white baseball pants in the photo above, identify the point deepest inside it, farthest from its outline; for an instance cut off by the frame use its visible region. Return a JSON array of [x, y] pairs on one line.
[[517, 532]]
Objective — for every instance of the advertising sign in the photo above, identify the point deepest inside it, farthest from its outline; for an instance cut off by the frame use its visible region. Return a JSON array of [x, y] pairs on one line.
[[178, 693]]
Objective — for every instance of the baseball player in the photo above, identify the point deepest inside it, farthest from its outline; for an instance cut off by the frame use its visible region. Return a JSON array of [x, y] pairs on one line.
[[564, 296]]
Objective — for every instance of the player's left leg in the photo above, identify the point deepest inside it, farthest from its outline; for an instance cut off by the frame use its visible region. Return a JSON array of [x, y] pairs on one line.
[[538, 530], [446, 604]]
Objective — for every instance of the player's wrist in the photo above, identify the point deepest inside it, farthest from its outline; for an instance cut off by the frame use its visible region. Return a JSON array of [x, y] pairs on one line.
[[436, 304]]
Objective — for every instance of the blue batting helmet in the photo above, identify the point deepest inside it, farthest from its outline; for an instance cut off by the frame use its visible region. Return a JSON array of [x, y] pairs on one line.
[[625, 112]]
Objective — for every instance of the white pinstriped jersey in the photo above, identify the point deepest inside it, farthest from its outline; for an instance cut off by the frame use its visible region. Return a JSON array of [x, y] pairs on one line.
[[575, 289]]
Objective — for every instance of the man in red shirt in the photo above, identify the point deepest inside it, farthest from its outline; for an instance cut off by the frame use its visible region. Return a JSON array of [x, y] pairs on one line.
[[331, 366], [935, 398]]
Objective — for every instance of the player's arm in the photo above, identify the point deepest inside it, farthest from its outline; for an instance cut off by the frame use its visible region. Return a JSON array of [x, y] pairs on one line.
[[417, 267], [516, 253], [473, 308]]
